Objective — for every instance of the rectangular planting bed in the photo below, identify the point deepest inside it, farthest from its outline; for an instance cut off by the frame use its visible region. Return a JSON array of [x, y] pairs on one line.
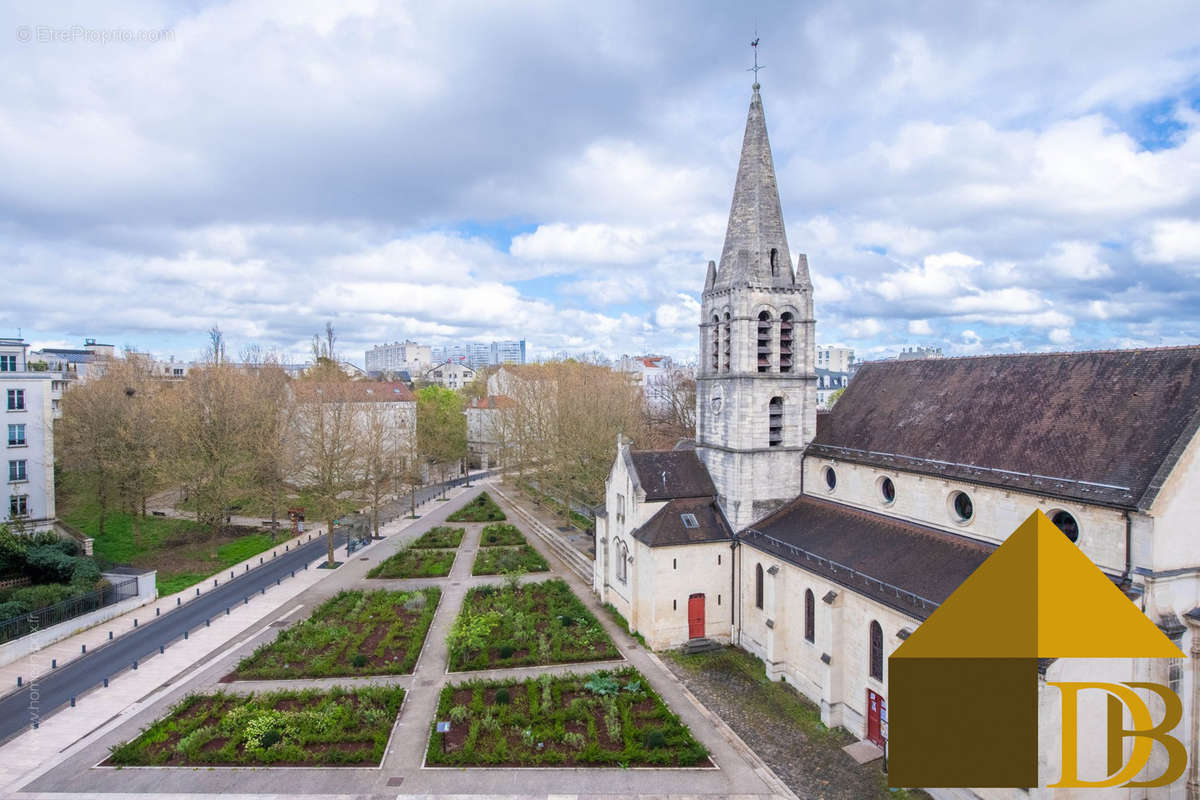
[[441, 537], [500, 560], [354, 633], [310, 728], [606, 719], [414, 563], [526, 625], [481, 509]]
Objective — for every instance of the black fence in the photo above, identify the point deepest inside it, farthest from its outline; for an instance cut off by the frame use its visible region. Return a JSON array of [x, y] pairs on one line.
[[72, 607]]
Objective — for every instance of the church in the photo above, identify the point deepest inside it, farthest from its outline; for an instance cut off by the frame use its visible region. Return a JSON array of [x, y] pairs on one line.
[[819, 542]]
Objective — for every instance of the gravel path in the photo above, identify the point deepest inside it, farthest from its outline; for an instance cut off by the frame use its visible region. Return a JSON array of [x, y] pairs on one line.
[[782, 727]]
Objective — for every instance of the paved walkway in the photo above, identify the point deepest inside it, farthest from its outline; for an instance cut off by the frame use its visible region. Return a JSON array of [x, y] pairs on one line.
[[740, 773], [134, 691]]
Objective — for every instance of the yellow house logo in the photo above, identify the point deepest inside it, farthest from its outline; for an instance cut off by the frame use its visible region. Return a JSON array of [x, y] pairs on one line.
[[963, 689]]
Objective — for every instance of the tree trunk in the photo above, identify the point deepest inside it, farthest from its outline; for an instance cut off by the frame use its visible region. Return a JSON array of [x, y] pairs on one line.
[[330, 539]]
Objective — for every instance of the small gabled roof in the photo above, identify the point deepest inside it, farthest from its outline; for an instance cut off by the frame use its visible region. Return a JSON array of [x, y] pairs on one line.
[[669, 474], [672, 525]]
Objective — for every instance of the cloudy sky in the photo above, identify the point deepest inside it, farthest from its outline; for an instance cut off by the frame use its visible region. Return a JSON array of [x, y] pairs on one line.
[[983, 177]]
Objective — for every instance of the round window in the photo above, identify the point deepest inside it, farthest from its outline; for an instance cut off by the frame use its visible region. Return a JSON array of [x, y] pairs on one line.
[[964, 509], [830, 478], [1067, 524], [888, 490]]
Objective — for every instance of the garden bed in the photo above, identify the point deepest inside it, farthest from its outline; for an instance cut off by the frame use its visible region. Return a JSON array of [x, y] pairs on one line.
[[526, 625], [501, 534], [501, 560], [606, 719], [354, 633], [441, 537], [482, 509], [410, 563], [335, 727]]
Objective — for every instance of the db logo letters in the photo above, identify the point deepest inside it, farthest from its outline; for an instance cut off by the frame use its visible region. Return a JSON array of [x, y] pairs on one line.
[[1144, 733]]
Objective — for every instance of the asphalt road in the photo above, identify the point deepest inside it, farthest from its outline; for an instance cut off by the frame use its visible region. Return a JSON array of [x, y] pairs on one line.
[[56, 688]]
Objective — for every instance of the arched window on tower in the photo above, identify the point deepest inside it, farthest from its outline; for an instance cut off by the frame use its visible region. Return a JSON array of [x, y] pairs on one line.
[[622, 565], [764, 341], [810, 616], [785, 342], [876, 651], [716, 343], [727, 343], [775, 421], [758, 586]]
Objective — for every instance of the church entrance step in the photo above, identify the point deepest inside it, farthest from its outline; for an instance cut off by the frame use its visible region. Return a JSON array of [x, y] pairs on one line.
[[699, 646]]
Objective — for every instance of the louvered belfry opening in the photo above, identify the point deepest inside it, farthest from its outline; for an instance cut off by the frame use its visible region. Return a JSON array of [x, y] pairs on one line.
[[776, 422], [716, 343], [785, 342], [764, 341], [727, 337]]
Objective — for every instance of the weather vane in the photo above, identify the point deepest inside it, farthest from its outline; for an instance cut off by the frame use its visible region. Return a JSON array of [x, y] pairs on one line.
[[756, 66]]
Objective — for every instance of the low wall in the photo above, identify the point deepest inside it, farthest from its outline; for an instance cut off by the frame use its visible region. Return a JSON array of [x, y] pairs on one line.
[[32, 642]]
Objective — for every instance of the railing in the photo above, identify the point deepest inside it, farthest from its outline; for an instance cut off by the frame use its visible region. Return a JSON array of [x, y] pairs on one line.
[[36, 620], [843, 572]]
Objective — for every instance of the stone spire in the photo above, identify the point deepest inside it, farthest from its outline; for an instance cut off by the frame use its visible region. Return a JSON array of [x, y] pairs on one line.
[[756, 247]]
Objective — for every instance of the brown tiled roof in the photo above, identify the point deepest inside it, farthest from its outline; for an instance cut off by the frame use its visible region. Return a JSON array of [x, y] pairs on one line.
[[909, 567], [667, 474], [666, 527], [1102, 427]]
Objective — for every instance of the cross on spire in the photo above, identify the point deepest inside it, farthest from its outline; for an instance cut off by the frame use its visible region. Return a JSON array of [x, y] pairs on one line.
[[756, 66]]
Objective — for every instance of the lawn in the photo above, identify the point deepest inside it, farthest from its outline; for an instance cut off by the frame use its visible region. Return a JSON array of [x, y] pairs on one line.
[[183, 552], [353, 633], [500, 534], [482, 509], [337, 727], [606, 719], [501, 560], [443, 536], [410, 563], [524, 625]]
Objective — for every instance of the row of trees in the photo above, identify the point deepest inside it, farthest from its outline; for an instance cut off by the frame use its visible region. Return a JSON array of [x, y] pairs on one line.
[[247, 434]]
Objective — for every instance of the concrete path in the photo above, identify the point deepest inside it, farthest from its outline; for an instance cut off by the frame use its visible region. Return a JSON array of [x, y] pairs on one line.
[[739, 772]]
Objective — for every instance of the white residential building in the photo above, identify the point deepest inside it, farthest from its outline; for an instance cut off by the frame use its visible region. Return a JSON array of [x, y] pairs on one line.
[[406, 356], [452, 375], [29, 412], [834, 358]]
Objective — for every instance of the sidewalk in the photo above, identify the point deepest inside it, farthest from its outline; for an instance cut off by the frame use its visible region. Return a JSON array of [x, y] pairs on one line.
[[128, 693]]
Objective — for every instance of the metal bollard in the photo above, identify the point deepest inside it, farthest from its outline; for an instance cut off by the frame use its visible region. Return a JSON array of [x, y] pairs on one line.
[[247, 568], [227, 611], [207, 622], [110, 636], [135, 663], [35, 724], [178, 601], [162, 648], [18, 681], [158, 612], [274, 553], [197, 591], [246, 601], [260, 560], [72, 701], [214, 583], [82, 648], [106, 683], [293, 573], [185, 634], [263, 591], [54, 663], [278, 581], [135, 622]]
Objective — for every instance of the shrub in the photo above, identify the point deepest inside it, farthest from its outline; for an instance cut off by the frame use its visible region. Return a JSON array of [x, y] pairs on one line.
[[655, 740], [481, 509], [85, 574], [35, 597], [358, 661], [602, 683], [506, 651], [49, 564], [502, 697], [271, 737], [11, 608]]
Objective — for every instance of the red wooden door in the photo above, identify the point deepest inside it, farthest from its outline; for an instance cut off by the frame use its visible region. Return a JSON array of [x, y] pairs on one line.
[[696, 616], [876, 719]]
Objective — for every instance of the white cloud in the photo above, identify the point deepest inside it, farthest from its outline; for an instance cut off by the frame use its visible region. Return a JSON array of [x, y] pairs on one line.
[[920, 327], [1059, 336], [1078, 261], [1172, 241]]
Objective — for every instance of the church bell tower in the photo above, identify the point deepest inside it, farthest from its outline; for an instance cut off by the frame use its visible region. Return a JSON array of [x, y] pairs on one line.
[[756, 387]]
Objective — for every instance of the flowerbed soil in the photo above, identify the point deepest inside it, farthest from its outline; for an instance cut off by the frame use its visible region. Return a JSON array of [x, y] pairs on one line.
[[525, 625], [605, 719], [482, 509], [443, 536], [411, 563], [501, 534], [499, 560], [309, 728], [354, 633]]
